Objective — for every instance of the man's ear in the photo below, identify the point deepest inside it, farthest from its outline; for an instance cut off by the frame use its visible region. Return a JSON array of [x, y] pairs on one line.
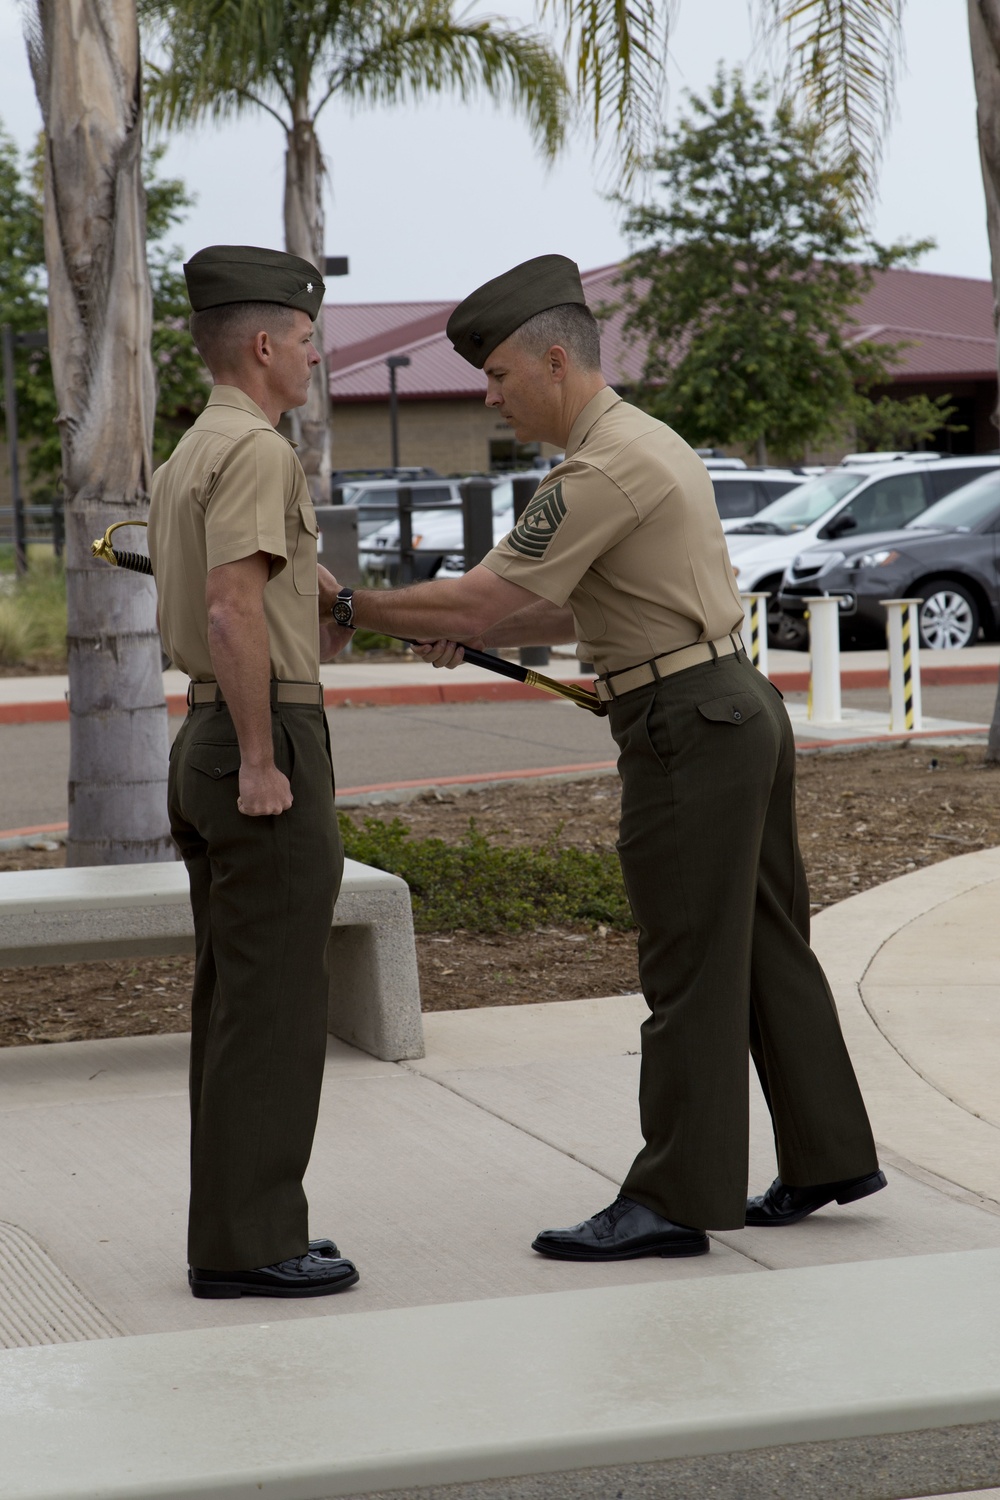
[[262, 350], [558, 363]]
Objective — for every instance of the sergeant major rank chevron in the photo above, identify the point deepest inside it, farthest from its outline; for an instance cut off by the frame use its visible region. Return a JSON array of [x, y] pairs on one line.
[[537, 526]]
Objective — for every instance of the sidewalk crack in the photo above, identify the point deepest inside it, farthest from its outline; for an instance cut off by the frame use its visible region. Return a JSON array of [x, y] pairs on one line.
[[543, 1140]]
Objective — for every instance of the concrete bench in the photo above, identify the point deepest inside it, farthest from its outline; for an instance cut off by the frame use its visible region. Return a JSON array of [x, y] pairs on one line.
[[857, 1381], [125, 911]]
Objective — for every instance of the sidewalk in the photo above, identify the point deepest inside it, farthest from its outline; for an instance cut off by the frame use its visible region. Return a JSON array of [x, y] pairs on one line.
[[434, 1175], [25, 700]]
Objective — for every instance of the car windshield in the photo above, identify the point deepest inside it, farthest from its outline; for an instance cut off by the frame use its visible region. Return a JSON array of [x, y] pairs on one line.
[[503, 496], [806, 503], [964, 508]]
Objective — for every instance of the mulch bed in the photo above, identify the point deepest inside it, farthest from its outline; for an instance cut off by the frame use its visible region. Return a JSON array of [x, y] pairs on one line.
[[864, 818]]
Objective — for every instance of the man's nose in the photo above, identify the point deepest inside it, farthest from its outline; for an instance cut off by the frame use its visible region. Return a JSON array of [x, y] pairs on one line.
[[493, 396]]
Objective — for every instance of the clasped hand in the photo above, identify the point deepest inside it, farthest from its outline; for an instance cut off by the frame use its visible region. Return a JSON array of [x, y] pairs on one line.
[[264, 792], [445, 653]]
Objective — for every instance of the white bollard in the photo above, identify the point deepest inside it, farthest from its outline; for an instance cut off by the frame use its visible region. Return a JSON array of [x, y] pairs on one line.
[[755, 629], [906, 711], [824, 650]]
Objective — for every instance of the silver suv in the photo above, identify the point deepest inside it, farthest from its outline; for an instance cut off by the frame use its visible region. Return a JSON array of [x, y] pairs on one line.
[[376, 499], [859, 497]]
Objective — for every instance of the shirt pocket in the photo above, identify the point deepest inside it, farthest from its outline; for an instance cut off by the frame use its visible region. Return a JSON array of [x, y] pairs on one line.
[[734, 708], [587, 615], [304, 554]]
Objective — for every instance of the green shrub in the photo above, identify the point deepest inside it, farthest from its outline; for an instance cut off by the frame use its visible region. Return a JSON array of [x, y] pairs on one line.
[[372, 640], [33, 615], [480, 887]]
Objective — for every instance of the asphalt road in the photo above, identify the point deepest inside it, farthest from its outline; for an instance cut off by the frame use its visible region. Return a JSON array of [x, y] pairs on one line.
[[378, 745], [370, 746]]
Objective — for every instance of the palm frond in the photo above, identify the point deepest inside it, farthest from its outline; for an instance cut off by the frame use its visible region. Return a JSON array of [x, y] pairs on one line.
[[845, 55], [409, 50], [212, 59], [620, 49]]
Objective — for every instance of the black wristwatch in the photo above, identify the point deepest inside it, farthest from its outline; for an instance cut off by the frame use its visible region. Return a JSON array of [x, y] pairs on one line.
[[343, 609]]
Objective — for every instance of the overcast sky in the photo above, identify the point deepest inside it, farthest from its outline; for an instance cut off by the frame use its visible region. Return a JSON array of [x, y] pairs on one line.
[[427, 201]]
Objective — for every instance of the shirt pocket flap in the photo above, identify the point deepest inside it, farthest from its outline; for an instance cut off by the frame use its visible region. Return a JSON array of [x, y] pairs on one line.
[[735, 708], [307, 515], [216, 761]]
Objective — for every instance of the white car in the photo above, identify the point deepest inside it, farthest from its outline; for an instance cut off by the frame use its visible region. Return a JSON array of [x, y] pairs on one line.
[[379, 497], [438, 534], [882, 495], [740, 493]]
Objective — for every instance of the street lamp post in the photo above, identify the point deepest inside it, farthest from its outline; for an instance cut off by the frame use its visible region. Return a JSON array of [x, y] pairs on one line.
[[395, 362]]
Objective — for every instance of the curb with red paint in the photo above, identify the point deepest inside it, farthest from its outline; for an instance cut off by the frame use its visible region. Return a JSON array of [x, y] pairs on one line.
[[484, 778], [56, 710], [582, 768]]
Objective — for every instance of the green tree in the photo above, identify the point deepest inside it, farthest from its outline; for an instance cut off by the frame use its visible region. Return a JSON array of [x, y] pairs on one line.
[[891, 424], [289, 58], [745, 276], [23, 306], [181, 383]]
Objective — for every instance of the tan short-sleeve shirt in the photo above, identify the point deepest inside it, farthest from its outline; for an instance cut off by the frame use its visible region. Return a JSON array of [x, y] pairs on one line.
[[231, 488], [626, 532]]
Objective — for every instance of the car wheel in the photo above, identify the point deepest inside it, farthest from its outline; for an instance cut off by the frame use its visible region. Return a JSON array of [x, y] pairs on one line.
[[787, 632], [949, 616]]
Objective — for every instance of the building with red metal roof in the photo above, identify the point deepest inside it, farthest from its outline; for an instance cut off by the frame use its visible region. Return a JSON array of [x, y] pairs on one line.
[[945, 322]]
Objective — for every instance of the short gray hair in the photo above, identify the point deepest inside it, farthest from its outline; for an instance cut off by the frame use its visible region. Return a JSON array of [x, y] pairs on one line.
[[570, 325], [221, 333]]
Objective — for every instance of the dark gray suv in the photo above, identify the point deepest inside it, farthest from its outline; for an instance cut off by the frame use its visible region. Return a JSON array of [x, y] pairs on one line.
[[949, 557]]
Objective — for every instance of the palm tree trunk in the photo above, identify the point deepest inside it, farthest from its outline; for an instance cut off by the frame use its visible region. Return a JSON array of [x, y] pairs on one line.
[[85, 60], [984, 35], [304, 236]]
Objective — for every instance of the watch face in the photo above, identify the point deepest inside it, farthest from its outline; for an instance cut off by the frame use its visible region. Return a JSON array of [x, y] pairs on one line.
[[342, 612]]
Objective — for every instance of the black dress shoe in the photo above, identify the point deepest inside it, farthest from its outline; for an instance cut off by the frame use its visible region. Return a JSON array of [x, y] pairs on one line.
[[623, 1231], [787, 1205], [308, 1275], [324, 1247]]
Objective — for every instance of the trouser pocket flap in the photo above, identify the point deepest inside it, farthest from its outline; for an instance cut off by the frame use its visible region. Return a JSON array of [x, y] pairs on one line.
[[214, 760], [734, 708]]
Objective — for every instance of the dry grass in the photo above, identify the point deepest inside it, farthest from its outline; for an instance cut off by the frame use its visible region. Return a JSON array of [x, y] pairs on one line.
[[33, 616]]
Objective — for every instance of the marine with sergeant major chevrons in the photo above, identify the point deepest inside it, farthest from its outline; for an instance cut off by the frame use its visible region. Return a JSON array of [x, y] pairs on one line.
[[621, 549]]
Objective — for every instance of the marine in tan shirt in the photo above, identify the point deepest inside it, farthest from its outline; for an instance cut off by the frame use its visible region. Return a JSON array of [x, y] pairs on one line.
[[231, 488], [250, 788], [622, 549], [626, 532]]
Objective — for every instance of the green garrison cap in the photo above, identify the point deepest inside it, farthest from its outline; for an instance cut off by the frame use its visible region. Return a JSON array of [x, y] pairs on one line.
[[493, 312], [246, 273]]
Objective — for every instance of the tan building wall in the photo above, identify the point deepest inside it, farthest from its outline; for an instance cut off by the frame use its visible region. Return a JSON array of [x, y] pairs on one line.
[[454, 437], [451, 436]]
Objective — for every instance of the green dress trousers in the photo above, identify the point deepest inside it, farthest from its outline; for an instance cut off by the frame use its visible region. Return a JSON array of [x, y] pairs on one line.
[[710, 855], [262, 892]]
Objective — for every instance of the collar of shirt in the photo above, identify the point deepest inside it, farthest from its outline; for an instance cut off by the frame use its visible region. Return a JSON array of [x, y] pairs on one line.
[[592, 413], [231, 395]]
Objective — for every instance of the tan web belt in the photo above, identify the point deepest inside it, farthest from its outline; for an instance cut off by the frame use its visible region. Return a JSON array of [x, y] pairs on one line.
[[614, 684], [281, 692]]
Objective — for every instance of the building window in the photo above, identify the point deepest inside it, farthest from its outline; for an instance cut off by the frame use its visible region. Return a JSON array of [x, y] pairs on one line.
[[507, 453]]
